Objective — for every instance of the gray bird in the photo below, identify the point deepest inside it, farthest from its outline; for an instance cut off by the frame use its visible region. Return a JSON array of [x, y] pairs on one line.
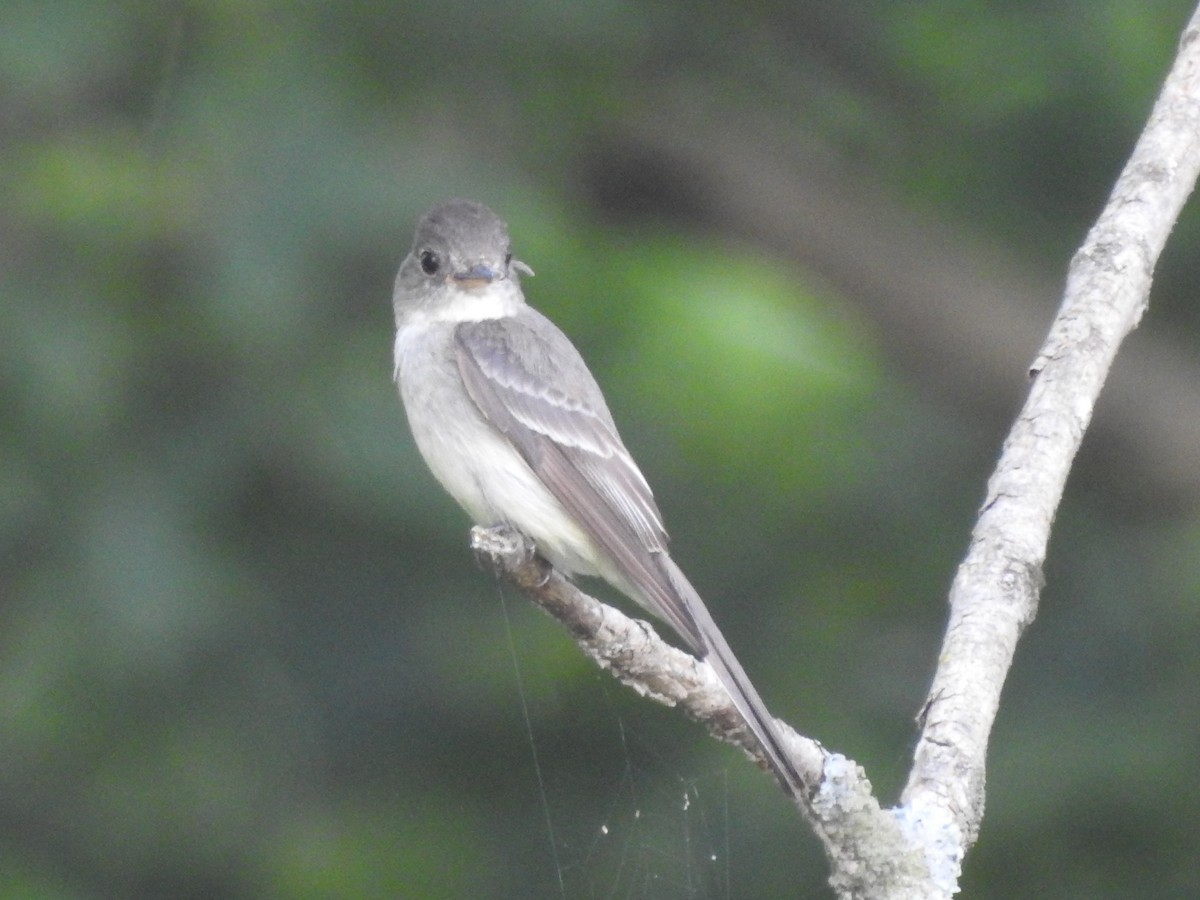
[[513, 425]]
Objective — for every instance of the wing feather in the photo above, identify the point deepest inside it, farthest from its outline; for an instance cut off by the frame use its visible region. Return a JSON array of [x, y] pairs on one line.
[[571, 443]]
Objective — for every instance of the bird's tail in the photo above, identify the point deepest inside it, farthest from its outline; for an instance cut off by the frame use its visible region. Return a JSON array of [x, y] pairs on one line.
[[737, 683]]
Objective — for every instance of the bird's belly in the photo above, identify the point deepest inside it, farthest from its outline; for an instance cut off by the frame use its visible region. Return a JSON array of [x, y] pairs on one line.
[[477, 465]]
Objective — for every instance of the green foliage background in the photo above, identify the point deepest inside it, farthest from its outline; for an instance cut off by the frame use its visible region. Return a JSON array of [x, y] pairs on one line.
[[244, 651]]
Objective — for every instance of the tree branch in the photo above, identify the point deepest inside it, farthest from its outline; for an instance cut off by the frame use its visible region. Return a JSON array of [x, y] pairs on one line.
[[866, 848], [632, 650], [995, 593]]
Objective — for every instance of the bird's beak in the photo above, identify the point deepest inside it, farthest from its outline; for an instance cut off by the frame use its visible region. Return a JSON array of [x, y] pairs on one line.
[[477, 276]]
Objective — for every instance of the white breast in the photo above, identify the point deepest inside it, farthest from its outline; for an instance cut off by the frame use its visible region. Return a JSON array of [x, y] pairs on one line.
[[476, 465]]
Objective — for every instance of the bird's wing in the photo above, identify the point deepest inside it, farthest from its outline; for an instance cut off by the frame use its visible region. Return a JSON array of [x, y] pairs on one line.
[[516, 376]]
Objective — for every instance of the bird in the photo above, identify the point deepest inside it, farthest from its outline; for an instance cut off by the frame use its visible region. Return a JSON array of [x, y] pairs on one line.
[[511, 422]]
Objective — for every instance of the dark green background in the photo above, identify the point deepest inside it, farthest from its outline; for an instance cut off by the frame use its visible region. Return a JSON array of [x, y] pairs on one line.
[[244, 650]]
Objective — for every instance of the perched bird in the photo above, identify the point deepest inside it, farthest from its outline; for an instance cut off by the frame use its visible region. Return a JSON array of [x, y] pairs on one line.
[[513, 425]]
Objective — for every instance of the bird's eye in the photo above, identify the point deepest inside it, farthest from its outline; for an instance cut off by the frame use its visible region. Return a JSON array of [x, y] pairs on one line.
[[430, 262]]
